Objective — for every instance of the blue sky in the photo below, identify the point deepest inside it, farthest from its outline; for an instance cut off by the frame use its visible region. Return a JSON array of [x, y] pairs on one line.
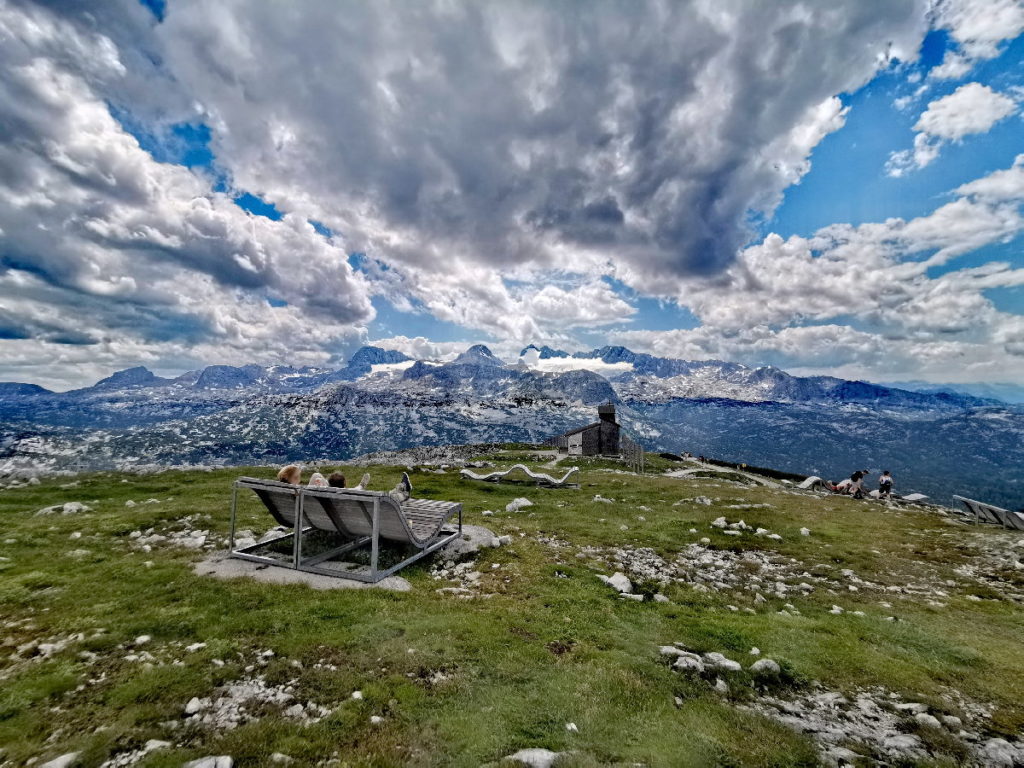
[[828, 189]]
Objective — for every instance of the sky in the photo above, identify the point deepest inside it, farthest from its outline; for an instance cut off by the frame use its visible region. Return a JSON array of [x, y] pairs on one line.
[[826, 186]]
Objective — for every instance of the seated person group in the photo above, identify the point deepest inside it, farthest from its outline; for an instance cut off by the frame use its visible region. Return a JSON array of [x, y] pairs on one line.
[[293, 474]]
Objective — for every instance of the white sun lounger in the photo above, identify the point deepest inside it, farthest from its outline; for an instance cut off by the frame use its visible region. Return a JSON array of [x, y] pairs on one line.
[[987, 513], [539, 477], [356, 517], [813, 483]]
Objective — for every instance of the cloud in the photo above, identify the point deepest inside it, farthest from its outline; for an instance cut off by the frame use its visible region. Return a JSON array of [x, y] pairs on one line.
[[533, 360], [863, 301], [508, 134], [102, 245], [977, 27], [970, 109], [1003, 185]]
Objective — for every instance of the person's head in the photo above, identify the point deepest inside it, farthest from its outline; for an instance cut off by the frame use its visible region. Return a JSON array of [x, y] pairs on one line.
[[336, 480], [290, 474], [886, 472]]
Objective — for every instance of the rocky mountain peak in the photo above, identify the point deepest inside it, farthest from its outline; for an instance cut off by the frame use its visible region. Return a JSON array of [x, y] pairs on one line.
[[478, 354], [139, 376]]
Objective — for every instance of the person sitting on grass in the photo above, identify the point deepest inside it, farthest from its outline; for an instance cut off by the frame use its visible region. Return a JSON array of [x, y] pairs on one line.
[[856, 486], [290, 474]]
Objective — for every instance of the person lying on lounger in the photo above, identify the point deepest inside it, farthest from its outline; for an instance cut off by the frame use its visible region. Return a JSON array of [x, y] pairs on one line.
[[401, 492]]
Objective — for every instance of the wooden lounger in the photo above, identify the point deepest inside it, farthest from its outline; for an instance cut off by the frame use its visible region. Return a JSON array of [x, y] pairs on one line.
[[356, 517], [986, 513]]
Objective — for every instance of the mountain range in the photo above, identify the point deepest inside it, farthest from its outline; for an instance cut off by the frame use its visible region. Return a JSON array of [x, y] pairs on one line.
[[939, 443]]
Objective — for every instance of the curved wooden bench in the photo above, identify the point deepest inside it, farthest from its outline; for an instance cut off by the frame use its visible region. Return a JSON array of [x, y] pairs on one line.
[[356, 517]]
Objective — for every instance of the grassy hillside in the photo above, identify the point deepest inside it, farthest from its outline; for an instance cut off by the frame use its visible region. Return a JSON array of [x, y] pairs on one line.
[[930, 616]]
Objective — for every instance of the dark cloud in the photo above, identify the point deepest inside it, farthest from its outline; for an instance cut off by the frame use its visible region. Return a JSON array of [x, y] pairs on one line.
[[650, 130]]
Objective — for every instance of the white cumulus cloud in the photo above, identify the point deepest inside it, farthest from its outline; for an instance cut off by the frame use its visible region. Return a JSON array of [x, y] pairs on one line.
[[972, 108]]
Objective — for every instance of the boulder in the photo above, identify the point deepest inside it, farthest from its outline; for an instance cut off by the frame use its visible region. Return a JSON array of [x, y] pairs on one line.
[[765, 668], [218, 761], [716, 660], [618, 581], [64, 761], [535, 757]]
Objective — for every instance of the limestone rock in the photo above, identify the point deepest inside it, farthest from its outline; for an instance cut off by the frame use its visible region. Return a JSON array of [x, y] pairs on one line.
[[716, 660], [535, 757], [64, 761], [765, 667], [218, 761]]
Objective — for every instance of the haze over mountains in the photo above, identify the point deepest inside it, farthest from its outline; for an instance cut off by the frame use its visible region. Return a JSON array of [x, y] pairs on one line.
[[939, 443]]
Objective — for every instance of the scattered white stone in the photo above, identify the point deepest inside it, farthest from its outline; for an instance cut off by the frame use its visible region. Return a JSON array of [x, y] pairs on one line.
[[64, 761], [755, 651], [923, 718], [602, 500], [68, 508], [487, 513], [774, 537], [75, 535], [733, 533], [765, 667], [618, 581], [999, 753], [705, 541], [805, 531], [142, 640], [357, 695], [220, 761], [516, 504], [571, 728], [535, 757], [716, 660], [689, 662], [376, 719], [129, 503], [719, 522], [195, 647], [195, 704], [721, 686], [281, 759], [836, 610]]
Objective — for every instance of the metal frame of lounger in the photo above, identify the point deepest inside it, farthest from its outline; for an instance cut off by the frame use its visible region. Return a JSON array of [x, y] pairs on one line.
[[987, 513], [362, 517], [540, 478]]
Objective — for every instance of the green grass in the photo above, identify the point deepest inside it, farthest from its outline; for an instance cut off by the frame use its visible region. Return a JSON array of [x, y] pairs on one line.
[[542, 652]]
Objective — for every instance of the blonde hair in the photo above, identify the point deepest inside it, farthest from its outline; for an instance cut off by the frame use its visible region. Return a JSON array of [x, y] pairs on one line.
[[290, 474]]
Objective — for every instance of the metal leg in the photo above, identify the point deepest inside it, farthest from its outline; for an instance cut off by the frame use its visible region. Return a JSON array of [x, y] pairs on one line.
[[234, 506], [375, 543], [297, 545]]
